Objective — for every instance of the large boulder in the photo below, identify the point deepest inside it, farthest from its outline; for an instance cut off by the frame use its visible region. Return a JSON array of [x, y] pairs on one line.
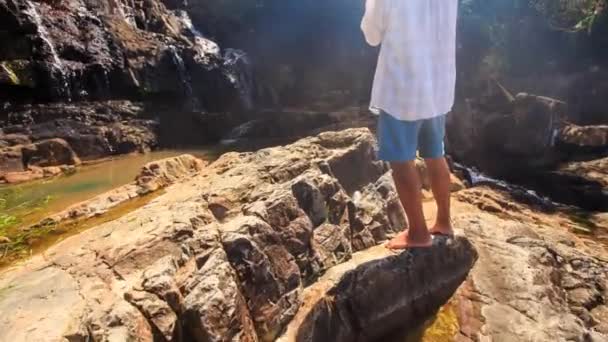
[[45, 158], [50, 152], [361, 306]]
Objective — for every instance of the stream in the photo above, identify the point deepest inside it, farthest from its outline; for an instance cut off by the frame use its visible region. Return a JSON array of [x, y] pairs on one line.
[[25, 204]]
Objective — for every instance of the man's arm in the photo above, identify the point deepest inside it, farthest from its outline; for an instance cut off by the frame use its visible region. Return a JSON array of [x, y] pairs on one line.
[[374, 21]]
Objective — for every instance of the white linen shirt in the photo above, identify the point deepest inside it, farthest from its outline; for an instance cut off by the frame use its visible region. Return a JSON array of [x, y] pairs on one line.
[[416, 72]]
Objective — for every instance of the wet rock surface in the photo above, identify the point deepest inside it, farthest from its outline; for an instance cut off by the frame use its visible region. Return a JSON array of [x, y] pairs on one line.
[[80, 50]]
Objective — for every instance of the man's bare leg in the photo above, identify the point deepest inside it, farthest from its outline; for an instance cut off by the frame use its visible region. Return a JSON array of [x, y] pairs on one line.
[[408, 186], [439, 174]]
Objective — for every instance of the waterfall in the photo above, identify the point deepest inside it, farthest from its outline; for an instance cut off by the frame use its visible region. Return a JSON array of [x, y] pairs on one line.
[[477, 178], [203, 45], [58, 72], [183, 77], [236, 63], [184, 18], [241, 132], [238, 71]]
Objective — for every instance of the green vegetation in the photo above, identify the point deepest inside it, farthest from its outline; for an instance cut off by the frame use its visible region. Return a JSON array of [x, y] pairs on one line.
[[14, 208], [37, 238], [11, 74], [571, 15]]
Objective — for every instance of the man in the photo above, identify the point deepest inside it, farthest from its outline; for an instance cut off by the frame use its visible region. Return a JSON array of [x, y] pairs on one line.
[[412, 93]]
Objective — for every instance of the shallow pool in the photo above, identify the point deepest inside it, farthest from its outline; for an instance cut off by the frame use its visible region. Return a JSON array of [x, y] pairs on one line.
[[25, 204]]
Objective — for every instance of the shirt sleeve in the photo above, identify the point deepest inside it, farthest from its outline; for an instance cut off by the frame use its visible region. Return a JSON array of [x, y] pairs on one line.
[[374, 21]]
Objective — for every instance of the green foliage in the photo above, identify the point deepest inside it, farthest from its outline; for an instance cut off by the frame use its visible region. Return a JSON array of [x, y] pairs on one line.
[[570, 15], [10, 73]]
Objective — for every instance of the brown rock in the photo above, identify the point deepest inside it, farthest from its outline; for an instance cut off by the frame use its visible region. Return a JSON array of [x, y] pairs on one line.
[[352, 310], [52, 152], [214, 307], [11, 160], [157, 312], [22, 177], [586, 136], [332, 243], [15, 139], [231, 277], [159, 174]]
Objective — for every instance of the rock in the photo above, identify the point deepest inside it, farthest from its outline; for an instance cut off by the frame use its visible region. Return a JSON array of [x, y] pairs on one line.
[[583, 184], [91, 129], [214, 308], [159, 174], [270, 277], [11, 160], [176, 262], [527, 284], [22, 163], [584, 136], [520, 134], [15, 139], [51, 171], [22, 177], [333, 244], [57, 308], [159, 280], [535, 118], [52, 152], [349, 309], [129, 50], [156, 311]]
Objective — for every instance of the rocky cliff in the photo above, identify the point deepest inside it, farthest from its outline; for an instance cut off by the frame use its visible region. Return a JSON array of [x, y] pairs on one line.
[[106, 76]]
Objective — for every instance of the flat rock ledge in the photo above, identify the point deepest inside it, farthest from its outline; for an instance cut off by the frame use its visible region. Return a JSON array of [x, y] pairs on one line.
[[229, 255]]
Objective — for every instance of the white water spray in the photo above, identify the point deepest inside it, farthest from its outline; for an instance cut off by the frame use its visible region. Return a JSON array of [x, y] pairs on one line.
[[56, 64]]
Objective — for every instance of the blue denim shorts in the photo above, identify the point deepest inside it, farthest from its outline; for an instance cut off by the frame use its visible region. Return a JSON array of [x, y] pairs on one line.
[[400, 140]]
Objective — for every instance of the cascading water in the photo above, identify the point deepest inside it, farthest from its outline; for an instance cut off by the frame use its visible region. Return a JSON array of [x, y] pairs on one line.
[[239, 72], [241, 132], [184, 18], [184, 79], [204, 46], [477, 178], [58, 73]]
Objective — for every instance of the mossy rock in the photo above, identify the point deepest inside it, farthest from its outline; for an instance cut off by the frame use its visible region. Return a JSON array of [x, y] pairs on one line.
[[17, 73]]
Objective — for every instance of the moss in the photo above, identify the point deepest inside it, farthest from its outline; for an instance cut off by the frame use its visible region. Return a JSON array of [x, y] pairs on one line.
[[19, 72], [40, 237], [10, 73]]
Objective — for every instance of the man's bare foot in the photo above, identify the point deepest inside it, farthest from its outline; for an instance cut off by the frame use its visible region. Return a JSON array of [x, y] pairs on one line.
[[404, 241], [442, 229]]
